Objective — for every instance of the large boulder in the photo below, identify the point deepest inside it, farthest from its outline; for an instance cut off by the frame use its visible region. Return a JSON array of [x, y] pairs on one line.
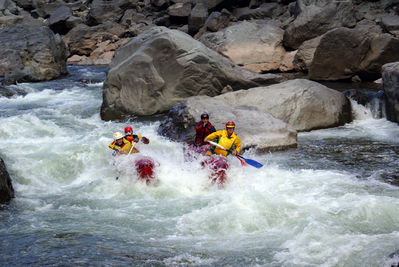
[[342, 53], [82, 40], [315, 17], [31, 53], [256, 45], [390, 81], [304, 104], [161, 67], [255, 128], [6, 189]]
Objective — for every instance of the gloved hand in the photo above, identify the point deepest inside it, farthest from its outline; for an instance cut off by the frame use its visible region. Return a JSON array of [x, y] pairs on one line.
[[136, 139], [145, 140]]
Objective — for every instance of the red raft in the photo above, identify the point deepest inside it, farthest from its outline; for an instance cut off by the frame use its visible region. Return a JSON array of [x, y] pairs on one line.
[[218, 166], [145, 169]]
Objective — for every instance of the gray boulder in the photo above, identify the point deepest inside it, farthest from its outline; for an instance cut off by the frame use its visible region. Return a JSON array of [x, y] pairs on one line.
[[197, 18], [390, 81], [31, 53], [256, 45], [6, 189], [317, 17], [102, 11], [161, 67], [255, 128], [218, 20], [58, 20], [303, 104], [342, 53]]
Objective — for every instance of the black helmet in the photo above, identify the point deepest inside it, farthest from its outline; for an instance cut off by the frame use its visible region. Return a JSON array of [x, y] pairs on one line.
[[204, 116]]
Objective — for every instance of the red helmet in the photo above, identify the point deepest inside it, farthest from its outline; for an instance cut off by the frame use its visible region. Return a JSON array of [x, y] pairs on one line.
[[230, 124], [128, 129]]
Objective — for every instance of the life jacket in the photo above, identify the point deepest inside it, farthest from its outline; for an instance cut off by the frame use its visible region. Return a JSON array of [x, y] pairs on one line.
[[124, 148], [133, 138], [202, 132], [230, 143]]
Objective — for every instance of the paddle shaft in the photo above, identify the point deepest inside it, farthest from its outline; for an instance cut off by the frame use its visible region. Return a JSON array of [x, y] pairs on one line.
[[251, 162], [134, 144]]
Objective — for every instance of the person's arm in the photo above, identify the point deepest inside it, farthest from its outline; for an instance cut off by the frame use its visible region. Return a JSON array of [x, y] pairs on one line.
[[198, 126], [213, 136], [237, 143], [145, 140]]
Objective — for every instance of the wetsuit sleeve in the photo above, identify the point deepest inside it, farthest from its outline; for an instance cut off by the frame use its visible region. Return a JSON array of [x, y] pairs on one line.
[[112, 145], [237, 143], [214, 135]]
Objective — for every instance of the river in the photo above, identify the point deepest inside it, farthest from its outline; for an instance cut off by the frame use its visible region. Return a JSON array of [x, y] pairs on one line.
[[326, 203]]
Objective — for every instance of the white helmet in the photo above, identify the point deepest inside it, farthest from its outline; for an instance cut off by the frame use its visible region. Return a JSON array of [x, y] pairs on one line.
[[118, 135]]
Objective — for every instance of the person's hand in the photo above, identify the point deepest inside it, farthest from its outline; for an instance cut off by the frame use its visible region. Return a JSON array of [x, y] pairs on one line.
[[234, 152], [145, 140], [206, 140]]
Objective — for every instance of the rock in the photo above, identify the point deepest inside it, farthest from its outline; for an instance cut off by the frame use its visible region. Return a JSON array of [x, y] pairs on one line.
[[390, 22], [218, 20], [31, 53], [255, 128], [255, 45], [304, 104], [58, 20], [359, 96], [197, 18], [266, 10], [315, 18], [180, 10], [82, 40], [390, 81], [342, 53], [10, 91], [6, 188], [102, 11], [161, 67]]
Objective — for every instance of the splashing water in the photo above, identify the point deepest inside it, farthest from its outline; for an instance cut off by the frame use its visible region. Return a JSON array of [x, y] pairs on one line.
[[324, 203]]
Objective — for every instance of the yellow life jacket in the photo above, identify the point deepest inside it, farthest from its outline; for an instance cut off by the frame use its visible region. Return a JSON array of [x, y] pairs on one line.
[[123, 149], [130, 139], [230, 143]]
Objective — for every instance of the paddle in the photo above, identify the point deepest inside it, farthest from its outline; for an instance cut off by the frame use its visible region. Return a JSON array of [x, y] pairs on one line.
[[251, 162], [134, 144]]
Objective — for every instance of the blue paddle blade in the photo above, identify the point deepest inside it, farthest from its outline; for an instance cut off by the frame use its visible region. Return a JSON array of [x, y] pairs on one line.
[[252, 162]]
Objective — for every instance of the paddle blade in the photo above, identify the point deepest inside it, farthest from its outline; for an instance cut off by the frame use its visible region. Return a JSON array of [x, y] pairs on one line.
[[252, 162]]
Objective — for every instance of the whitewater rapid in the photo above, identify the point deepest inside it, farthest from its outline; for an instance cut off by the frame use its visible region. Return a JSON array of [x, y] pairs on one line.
[[323, 204]]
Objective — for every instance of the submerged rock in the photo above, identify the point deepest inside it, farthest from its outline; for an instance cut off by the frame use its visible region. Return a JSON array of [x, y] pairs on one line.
[[6, 189], [390, 80]]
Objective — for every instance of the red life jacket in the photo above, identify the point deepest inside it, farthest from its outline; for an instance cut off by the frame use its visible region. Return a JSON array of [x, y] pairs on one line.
[[202, 132]]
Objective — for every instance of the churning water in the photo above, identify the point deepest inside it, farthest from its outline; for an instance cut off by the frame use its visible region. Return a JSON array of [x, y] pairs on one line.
[[326, 203]]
